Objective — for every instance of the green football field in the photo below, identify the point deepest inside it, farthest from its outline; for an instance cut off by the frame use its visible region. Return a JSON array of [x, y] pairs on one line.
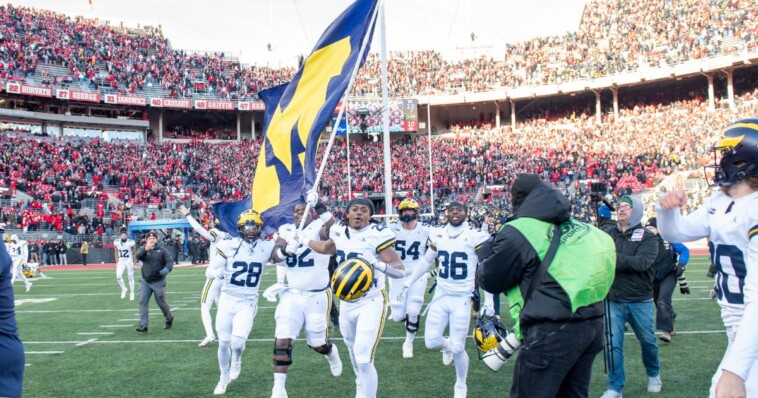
[[80, 342]]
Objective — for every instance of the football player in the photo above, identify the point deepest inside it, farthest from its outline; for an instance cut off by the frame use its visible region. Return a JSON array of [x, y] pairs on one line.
[[306, 299], [454, 247], [19, 251], [411, 238], [239, 263], [212, 286], [730, 221], [362, 319], [125, 248]]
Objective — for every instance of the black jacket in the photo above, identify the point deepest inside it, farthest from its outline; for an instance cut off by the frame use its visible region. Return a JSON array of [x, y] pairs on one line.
[[635, 255], [664, 264], [514, 261], [153, 262]]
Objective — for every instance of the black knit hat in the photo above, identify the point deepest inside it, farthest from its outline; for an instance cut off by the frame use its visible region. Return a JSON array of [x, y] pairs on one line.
[[364, 202]]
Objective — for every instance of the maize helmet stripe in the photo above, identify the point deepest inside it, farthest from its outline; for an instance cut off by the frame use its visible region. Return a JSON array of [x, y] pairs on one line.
[[347, 273], [753, 126], [352, 279], [729, 142]]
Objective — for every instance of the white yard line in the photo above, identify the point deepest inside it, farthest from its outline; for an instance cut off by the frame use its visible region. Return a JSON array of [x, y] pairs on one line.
[[271, 340], [115, 326], [44, 352], [94, 333], [83, 343]]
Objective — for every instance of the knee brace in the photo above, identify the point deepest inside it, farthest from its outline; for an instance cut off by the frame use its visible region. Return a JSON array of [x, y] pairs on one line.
[[283, 352], [411, 326], [323, 349]]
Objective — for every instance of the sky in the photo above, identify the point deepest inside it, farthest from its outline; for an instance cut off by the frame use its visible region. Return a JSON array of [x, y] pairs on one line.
[[244, 28]]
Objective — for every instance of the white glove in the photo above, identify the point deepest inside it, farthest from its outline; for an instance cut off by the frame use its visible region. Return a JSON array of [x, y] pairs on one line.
[[288, 234], [273, 290], [311, 197], [403, 293], [428, 275], [292, 245], [219, 274]]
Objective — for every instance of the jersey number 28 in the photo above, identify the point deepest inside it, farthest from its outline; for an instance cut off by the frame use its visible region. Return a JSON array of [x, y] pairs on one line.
[[253, 271]]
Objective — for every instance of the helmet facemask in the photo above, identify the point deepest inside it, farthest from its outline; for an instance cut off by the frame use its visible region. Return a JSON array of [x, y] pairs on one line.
[[250, 231]]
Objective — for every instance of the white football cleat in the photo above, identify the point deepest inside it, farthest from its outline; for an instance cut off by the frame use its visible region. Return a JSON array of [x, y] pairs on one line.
[[278, 392], [28, 286], [221, 387], [123, 293], [235, 369], [207, 341], [131, 296], [460, 389], [447, 357], [408, 349], [335, 363]]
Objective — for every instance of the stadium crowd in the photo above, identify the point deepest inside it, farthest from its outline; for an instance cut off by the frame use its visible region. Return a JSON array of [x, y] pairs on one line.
[[62, 174], [612, 37]]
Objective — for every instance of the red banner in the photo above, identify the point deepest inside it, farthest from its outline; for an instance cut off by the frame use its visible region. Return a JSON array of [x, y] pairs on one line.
[[171, 103], [74, 95], [251, 106], [125, 100], [215, 105], [22, 89]]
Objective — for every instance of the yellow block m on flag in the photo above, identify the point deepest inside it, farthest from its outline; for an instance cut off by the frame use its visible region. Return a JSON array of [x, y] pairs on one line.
[[297, 112]]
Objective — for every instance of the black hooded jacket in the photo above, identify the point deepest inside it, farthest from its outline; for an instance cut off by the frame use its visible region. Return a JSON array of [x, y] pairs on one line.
[[513, 262]]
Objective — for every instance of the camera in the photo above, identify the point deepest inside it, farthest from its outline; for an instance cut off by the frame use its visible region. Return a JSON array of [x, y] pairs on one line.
[[498, 356], [598, 191]]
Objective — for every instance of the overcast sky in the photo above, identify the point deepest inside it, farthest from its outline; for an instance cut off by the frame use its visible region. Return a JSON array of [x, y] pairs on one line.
[[245, 27]]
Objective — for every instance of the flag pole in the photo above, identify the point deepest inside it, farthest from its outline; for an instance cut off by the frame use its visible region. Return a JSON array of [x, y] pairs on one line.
[[385, 117], [347, 136], [333, 134]]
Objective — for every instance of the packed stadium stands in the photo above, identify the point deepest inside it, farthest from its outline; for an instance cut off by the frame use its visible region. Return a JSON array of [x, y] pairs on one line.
[[631, 153], [46, 48], [649, 140]]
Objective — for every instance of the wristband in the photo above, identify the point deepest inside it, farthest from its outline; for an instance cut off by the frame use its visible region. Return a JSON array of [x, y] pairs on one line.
[[279, 252], [326, 216]]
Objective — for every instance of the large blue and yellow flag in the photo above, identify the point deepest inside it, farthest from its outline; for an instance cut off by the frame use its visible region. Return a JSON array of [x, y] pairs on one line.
[[297, 112]]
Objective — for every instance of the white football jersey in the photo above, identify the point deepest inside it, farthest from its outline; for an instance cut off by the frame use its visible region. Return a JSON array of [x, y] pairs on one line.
[[352, 243], [213, 235], [727, 224], [124, 250], [216, 236], [17, 250], [456, 256], [242, 264], [411, 244], [306, 269]]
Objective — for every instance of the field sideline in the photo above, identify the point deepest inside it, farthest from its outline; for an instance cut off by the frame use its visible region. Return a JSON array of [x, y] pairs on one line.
[[80, 341]]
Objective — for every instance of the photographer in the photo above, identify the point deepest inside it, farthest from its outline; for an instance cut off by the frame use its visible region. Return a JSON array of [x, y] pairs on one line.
[[669, 267], [556, 272]]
